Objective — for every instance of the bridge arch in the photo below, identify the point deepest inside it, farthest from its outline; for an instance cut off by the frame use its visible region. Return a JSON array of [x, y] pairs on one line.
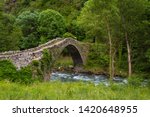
[[75, 54]]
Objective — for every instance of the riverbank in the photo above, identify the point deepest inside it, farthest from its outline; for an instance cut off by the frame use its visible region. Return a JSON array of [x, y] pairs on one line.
[[71, 91], [65, 63]]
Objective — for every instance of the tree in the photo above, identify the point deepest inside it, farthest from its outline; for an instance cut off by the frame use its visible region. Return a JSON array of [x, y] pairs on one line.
[[143, 43], [28, 23], [9, 34], [89, 20], [131, 12], [51, 24], [98, 18]]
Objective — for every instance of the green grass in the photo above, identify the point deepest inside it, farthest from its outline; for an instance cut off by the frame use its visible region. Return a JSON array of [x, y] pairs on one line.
[[74, 91], [65, 61]]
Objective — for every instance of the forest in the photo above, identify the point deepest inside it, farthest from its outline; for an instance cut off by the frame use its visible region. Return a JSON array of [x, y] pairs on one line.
[[117, 31]]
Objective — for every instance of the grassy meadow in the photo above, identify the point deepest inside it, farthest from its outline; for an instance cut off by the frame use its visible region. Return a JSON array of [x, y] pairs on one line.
[[71, 91]]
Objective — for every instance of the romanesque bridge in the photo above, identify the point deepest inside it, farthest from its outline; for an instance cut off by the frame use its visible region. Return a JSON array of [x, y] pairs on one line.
[[77, 50]]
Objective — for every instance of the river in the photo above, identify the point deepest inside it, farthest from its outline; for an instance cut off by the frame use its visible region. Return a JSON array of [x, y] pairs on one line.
[[75, 77]]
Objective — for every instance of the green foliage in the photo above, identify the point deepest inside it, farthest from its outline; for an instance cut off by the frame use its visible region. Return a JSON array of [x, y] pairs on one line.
[[67, 34], [133, 15], [26, 2], [76, 30], [71, 91], [148, 54], [51, 24], [148, 83], [121, 16], [83, 19], [9, 34], [99, 19], [8, 72], [98, 56], [37, 71], [46, 61], [29, 41], [25, 75], [63, 62], [28, 23], [88, 21], [135, 80], [42, 69], [96, 15]]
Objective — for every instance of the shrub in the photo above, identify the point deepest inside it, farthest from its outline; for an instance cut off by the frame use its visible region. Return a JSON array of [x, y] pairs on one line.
[[98, 56], [42, 69], [7, 71], [25, 75], [135, 80], [51, 24]]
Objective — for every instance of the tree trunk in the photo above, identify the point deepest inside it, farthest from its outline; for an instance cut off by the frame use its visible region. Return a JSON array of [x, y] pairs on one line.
[[110, 52], [47, 76], [128, 47], [113, 63], [120, 55], [129, 55]]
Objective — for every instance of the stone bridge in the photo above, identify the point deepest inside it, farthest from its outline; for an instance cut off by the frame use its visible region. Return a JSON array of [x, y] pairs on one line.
[[77, 50]]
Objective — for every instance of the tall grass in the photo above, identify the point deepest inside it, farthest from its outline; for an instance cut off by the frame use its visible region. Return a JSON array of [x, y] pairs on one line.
[[73, 91]]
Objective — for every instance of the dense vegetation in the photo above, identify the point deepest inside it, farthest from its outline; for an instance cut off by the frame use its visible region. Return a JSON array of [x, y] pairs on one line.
[[124, 25], [8, 72], [118, 32]]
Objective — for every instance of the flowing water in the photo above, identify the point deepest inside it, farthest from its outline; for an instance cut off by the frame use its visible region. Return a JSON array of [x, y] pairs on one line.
[[74, 77]]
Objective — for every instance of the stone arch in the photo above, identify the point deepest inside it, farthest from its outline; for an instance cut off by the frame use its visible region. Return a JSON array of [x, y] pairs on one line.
[[75, 54]]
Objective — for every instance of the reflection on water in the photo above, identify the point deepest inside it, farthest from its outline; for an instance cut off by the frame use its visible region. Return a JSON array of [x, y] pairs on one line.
[[74, 77]]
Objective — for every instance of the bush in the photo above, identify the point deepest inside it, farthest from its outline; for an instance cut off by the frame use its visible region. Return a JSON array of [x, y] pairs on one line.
[[42, 69], [25, 75], [51, 24], [8, 72], [98, 56], [135, 80]]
